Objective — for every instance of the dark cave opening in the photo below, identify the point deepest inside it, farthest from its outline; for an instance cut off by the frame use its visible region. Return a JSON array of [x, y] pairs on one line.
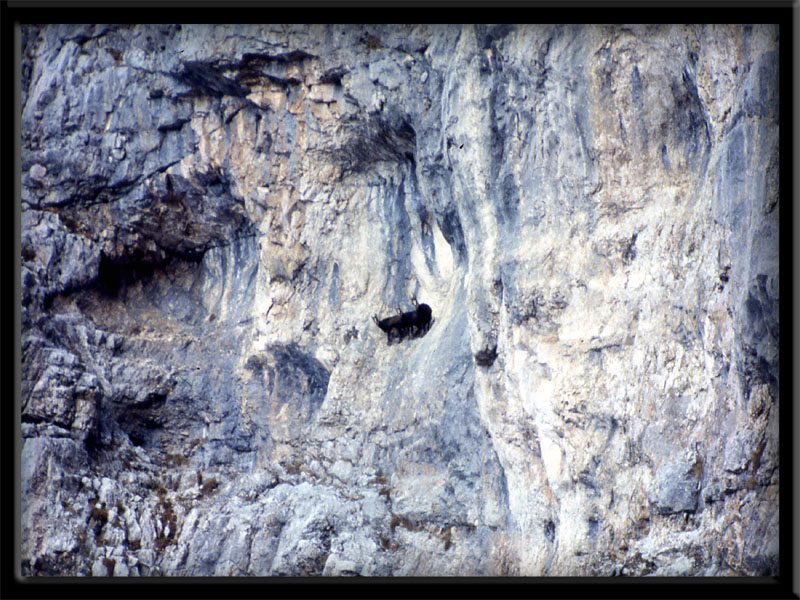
[[114, 276]]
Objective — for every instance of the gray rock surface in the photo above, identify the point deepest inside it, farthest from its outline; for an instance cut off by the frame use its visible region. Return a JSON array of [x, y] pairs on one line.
[[212, 215]]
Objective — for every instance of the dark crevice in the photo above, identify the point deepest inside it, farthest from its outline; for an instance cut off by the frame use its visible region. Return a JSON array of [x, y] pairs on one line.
[[208, 79], [116, 274], [486, 357], [450, 226], [378, 139]]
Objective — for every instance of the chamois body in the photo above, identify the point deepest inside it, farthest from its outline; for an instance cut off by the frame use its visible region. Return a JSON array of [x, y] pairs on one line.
[[414, 322]]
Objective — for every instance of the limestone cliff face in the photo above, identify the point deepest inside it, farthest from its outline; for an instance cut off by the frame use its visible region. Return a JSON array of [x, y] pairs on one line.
[[212, 215]]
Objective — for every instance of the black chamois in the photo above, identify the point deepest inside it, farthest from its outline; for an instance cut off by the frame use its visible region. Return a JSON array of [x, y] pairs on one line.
[[415, 322], [391, 325]]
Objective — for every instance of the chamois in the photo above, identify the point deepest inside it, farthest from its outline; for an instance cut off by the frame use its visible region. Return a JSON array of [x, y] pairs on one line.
[[414, 322]]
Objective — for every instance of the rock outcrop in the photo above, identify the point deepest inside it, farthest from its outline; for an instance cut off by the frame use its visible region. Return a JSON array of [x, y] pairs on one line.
[[212, 215]]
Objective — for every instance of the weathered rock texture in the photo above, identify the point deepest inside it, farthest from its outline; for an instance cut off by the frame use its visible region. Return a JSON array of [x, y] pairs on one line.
[[212, 215]]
